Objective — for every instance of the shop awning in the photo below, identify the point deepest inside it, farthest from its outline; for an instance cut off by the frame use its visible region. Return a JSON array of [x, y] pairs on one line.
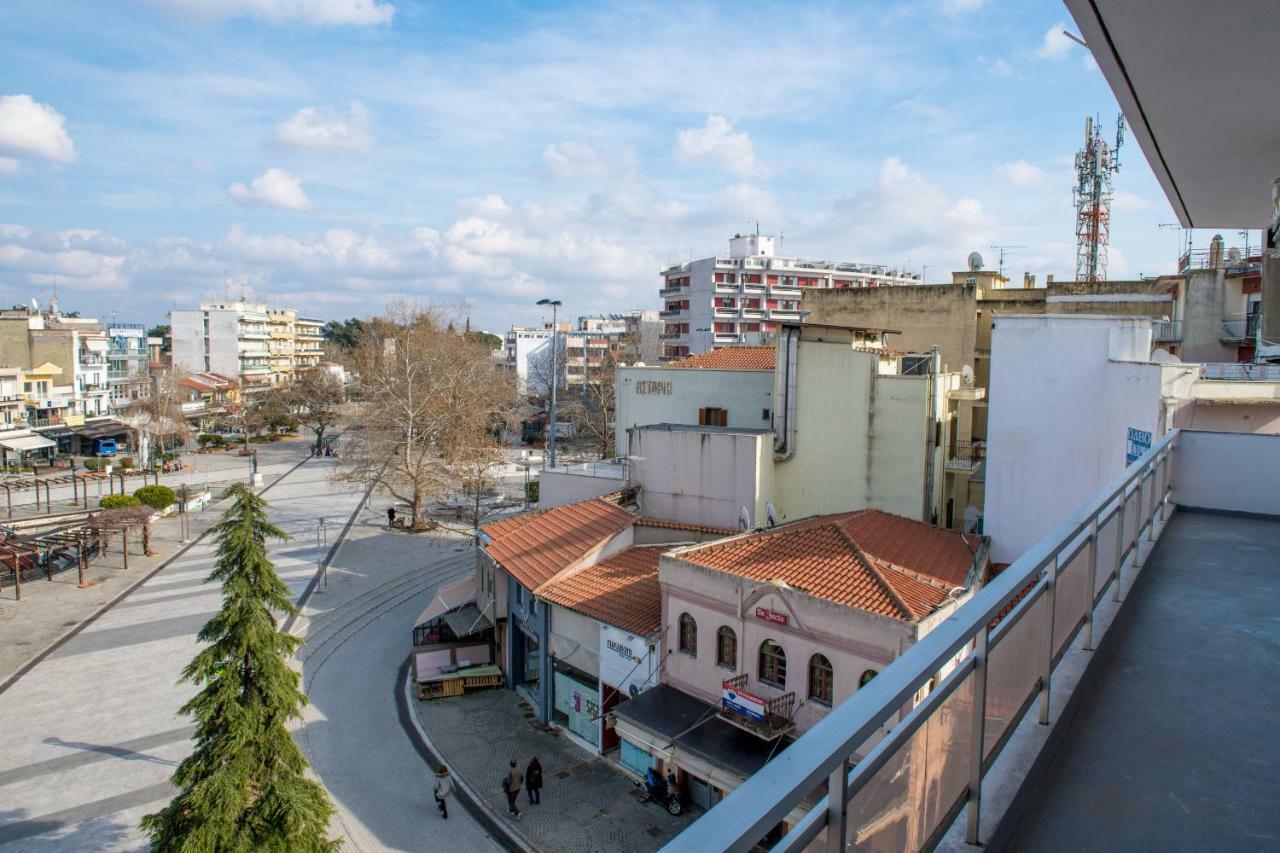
[[467, 620], [55, 432], [98, 430], [27, 442], [449, 597]]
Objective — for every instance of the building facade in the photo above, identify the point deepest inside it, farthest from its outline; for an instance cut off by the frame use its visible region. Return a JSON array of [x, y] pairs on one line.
[[743, 298], [128, 359], [259, 344]]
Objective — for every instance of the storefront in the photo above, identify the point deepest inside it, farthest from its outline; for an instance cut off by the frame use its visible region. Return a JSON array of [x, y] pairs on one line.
[[27, 450], [575, 703], [528, 665]]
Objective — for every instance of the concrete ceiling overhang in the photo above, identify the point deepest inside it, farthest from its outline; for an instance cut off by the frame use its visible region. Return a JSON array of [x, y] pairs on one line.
[[1199, 85]]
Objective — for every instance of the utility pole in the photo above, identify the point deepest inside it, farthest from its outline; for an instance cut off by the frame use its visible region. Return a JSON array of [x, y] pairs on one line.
[[555, 380]]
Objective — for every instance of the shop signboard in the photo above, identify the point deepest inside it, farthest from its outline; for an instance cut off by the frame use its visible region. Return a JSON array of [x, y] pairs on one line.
[[1139, 443], [625, 661], [740, 702], [771, 616]]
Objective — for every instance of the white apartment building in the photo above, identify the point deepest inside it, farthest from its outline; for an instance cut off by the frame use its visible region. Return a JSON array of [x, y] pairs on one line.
[[585, 351], [257, 343], [742, 299]]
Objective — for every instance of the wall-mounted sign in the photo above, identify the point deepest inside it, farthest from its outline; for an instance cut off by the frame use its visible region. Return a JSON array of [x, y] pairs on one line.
[[625, 662], [1139, 443], [651, 386], [773, 616], [124, 333], [743, 703]]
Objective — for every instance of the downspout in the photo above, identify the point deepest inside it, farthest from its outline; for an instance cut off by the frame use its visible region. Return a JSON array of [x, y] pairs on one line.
[[931, 433], [784, 392]]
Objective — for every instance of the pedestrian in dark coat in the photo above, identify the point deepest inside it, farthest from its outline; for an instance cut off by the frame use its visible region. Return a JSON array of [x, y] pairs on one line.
[[511, 785], [533, 780], [443, 790], [391, 516]]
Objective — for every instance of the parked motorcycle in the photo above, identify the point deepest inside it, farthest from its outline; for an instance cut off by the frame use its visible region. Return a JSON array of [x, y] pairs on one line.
[[665, 793]]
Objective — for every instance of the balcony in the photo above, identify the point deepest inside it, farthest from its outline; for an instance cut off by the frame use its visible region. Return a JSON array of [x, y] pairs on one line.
[[1239, 327], [1167, 331], [772, 722], [966, 455], [785, 292], [678, 290], [1022, 735]]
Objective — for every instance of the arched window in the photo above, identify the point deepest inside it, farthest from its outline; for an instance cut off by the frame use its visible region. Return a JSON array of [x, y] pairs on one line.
[[727, 647], [773, 664], [820, 679], [867, 676], [688, 635]]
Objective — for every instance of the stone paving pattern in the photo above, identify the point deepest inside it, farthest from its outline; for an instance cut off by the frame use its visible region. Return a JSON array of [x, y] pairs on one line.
[[588, 805]]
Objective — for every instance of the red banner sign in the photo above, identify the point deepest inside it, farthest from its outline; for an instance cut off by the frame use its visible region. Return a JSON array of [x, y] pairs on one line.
[[771, 616]]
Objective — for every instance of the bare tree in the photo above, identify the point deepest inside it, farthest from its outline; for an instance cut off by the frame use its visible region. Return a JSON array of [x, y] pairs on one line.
[[159, 417], [427, 393], [317, 396]]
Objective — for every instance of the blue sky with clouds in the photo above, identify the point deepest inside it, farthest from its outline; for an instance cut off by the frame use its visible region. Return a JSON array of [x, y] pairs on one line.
[[337, 154]]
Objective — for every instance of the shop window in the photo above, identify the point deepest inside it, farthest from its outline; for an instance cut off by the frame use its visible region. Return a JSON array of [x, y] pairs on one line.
[[867, 676], [773, 664], [635, 758], [820, 679], [727, 647], [688, 635]]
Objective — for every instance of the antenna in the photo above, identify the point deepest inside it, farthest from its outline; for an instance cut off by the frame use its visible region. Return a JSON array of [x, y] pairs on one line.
[[1096, 162], [1006, 250]]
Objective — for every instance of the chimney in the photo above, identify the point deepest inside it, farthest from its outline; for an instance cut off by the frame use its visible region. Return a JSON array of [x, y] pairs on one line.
[[1215, 251], [1048, 280], [1028, 280]]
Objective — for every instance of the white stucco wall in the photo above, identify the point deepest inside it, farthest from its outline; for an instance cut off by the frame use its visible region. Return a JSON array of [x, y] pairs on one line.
[[1065, 389], [899, 433], [702, 476], [657, 395], [557, 486], [575, 639], [1235, 472]]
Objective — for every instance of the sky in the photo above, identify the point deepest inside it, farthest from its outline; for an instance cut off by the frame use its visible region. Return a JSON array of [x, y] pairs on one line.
[[337, 155]]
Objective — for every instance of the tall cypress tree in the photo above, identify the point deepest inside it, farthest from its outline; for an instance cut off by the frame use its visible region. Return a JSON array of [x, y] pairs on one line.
[[244, 787]]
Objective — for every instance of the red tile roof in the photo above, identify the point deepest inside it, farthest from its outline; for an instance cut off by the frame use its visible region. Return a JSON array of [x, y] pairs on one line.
[[731, 358], [872, 560], [622, 590], [535, 547], [683, 525]]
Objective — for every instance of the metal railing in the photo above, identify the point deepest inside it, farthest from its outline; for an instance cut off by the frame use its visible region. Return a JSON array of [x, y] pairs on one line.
[[966, 455], [1240, 327], [1168, 330], [931, 763], [1241, 372]]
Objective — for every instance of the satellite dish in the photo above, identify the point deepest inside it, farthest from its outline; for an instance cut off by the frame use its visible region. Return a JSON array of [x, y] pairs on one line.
[[1233, 255], [975, 261], [35, 305], [771, 513], [744, 519], [966, 375]]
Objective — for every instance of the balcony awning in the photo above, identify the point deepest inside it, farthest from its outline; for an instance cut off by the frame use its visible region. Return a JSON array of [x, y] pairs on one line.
[[1200, 106], [24, 443]]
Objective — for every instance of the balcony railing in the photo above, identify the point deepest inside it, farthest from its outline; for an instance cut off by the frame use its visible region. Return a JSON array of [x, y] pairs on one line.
[[1168, 331], [1241, 372], [931, 763], [673, 291], [777, 712], [1240, 327], [966, 455]]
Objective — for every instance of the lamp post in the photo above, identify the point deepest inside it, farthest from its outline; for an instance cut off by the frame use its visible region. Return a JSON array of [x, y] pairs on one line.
[[555, 380], [322, 540]]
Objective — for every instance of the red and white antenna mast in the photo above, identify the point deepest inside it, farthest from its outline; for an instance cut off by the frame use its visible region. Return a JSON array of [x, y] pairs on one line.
[[1095, 164]]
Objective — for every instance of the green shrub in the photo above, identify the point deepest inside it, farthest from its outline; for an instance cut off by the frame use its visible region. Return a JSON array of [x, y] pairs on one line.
[[531, 491], [210, 439], [125, 462], [170, 456], [156, 497], [92, 464], [119, 501]]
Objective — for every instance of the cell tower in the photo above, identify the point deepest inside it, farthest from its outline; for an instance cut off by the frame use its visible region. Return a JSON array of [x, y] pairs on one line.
[[1095, 163]]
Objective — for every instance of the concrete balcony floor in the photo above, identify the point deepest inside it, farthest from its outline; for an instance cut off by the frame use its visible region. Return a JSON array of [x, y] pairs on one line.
[[1174, 743]]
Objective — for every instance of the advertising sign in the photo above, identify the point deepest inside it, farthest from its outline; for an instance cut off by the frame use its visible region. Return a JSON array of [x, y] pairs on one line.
[[771, 616], [1139, 443], [741, 702], [124, 333], [625, 662]]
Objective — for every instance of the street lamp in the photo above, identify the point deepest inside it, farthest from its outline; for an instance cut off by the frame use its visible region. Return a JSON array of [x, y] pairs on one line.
[[555, 380], [322, 540]]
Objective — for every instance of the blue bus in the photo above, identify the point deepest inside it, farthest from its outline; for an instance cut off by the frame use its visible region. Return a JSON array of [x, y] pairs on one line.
[[104, 447]]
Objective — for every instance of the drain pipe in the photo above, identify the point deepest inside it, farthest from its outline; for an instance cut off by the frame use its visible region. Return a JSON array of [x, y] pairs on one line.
[[931, 433], [784, 393]]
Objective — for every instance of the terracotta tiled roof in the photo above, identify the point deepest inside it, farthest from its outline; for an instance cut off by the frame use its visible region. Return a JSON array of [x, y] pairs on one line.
[[731, 358], [622, 590], [536, 546], [681, 525], [874, 561]]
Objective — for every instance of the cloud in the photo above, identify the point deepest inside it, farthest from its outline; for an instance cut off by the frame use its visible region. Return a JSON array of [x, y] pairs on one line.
[[1129, 201], [314, 12], [957, 7], [717, 142], [32, 129], [1020, 173], [1000, 68], [314, 127], [75, 258], [1054, 45], [7, 165], [273, 188]]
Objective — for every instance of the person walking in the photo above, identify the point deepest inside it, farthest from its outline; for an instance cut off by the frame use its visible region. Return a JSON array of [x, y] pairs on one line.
[[533, 781], [391, 516], [511, 786], [443, 790]]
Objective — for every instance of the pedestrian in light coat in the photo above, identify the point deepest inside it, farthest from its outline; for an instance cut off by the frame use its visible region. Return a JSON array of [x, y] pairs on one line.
[[533, 781], [443, 790], [511, 786]]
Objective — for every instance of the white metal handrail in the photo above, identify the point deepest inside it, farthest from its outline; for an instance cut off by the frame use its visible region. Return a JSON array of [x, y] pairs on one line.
[[825, 753]]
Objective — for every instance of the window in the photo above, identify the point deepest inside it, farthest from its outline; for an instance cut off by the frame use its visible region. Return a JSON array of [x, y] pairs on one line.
[[764, 414], [713, 416], [773, 664], [519, 594], [688, 635], [727, 647], [820, 678], [867, 676]]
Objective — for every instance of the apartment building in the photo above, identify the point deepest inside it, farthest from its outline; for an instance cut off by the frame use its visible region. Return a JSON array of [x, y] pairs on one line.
[[128, 364], [588, 350], [259, 344], [743, 298], [63, 360], [1220, 292]]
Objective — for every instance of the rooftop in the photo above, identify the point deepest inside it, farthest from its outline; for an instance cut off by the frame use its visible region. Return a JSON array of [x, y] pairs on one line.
[[537, 546], [870, 560], [621, 591], [731, 358]]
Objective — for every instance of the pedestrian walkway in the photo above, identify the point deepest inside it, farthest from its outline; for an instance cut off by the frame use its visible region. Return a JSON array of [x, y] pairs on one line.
[[587, 803], [92, 733]]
